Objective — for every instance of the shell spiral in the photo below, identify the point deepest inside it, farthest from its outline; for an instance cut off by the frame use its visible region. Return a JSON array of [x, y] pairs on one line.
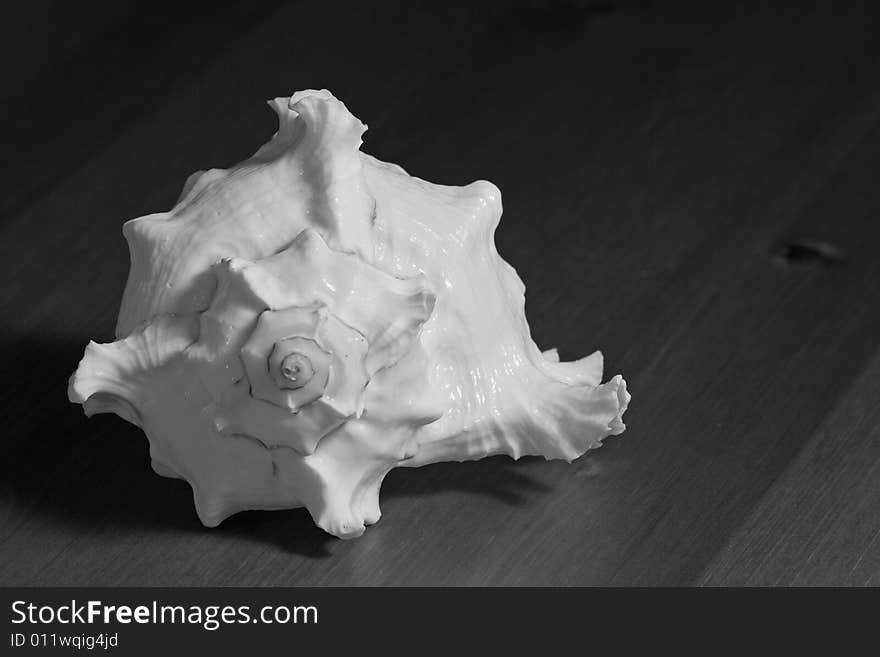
[[301, 323]]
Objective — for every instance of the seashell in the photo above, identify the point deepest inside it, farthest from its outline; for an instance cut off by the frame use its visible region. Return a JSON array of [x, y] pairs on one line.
[[301, 323]]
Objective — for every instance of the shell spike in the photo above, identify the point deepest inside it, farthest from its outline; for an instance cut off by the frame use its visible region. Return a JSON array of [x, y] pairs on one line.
[[111, 377]]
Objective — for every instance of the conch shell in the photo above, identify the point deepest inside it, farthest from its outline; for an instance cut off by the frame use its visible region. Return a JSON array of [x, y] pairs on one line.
[[301, 323]]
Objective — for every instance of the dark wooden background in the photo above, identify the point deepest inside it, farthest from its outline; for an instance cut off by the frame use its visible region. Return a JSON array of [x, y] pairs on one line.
[[694, 191]]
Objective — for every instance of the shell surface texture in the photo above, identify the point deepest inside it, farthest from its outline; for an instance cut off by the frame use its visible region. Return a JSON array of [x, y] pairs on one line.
[[301, 323]]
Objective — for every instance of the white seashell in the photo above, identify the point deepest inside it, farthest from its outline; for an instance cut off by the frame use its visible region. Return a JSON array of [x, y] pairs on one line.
[[310, 318]]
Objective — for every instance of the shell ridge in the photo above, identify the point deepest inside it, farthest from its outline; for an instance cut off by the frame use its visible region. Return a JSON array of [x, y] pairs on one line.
[[116, 369], [564, 424]]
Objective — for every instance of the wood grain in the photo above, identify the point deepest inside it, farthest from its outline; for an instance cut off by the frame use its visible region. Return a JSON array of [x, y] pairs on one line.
[[667, 171]]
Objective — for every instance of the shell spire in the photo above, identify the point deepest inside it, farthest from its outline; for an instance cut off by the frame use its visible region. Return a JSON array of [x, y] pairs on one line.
[[304, 321]]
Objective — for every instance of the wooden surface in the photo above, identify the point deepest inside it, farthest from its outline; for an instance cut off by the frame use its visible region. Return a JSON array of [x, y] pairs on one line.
[[694, 193]]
